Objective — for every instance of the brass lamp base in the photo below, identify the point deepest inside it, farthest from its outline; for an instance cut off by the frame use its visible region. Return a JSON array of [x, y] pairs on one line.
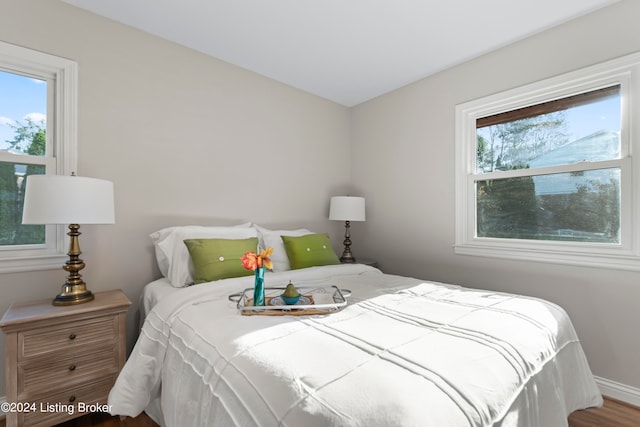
[[71, 296], [75, 290], [347, 256]]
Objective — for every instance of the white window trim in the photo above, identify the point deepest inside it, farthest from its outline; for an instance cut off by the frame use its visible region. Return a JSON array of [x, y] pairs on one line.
[[624, 71], [61, 136]]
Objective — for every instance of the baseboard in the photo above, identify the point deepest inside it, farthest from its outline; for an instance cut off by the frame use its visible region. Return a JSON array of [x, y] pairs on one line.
[[619, 391]]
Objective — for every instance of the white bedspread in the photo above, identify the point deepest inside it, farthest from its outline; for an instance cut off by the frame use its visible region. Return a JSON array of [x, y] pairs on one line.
[[403, 353]]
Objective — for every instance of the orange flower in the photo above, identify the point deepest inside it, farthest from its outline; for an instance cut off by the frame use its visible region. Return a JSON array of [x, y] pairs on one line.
[[251, 260], [263, 258]]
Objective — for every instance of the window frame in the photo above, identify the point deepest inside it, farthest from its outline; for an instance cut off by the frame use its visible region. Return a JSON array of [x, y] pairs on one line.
[[61, 159], [623, 71]]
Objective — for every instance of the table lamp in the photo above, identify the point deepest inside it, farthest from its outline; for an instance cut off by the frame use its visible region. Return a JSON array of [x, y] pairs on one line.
[[347, 209], [73, 200]]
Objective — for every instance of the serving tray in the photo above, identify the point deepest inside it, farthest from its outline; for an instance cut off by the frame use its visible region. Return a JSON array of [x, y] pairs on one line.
[[321, 299]]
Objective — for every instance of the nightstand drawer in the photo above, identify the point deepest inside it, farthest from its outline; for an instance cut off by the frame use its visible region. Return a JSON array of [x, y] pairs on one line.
[[40, 378], [38, 342], [61, 406]]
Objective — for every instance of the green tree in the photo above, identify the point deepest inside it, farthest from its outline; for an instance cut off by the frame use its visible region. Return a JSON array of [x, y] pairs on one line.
[[507, 208], [8, 214], [484, 156], [512, 145], [30, 138]]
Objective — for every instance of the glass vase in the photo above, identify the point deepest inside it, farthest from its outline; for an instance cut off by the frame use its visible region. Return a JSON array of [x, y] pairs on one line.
[[258, 287]]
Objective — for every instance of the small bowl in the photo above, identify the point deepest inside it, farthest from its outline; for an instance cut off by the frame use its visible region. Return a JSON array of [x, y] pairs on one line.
[[290, 300]]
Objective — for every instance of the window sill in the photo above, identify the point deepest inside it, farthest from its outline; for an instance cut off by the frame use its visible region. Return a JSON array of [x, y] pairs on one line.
[[614, 261], [33, 263]]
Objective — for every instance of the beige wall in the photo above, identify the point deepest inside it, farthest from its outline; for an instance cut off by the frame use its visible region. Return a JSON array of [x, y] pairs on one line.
[[185, 138], [189, 139], [403, 158]]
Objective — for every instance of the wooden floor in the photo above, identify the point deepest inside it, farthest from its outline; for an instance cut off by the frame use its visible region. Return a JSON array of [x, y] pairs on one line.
[[613, 414], [104, 420]]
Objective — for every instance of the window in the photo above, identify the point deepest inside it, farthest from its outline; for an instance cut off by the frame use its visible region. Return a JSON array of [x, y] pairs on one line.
[[37, 136], [544, 172]]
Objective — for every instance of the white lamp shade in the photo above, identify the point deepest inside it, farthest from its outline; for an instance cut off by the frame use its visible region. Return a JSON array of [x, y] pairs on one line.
[[55, 199], [347, 208]]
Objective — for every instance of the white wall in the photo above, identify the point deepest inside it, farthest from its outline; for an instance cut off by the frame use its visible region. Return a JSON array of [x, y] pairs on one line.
[[185, 138], [189, 139], [403, 158]]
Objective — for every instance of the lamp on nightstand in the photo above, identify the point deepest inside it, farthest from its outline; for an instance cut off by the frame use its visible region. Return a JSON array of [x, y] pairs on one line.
[[73, 200], [347, 209]]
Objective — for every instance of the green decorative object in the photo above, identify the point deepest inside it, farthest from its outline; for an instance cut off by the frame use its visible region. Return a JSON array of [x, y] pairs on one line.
[[215, 259], [290, 295], [309, 250]]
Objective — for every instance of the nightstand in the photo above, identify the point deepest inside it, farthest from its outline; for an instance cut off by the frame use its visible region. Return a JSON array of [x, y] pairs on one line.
[[62, 361]]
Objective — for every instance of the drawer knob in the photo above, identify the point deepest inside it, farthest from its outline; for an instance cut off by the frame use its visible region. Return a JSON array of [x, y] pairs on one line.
[[72, 399], [72, 336], [72, 367]]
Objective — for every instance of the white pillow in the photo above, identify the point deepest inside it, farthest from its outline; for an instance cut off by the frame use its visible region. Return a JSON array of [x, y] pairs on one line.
[[173, 256], [272, 238]]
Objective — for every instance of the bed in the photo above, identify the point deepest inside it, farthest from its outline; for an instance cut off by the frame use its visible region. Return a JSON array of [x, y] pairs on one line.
[[403, 352]]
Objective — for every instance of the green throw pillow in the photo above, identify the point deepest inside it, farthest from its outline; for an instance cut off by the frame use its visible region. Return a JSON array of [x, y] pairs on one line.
[[215, 259], [309, 250]]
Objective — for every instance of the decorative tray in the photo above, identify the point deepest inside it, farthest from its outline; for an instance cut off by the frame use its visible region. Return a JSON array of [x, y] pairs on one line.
[[322, 299]]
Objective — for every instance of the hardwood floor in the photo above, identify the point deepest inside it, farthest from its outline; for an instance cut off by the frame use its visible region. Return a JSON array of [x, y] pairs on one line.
[[106, 420], [613, 414], [100, 419]]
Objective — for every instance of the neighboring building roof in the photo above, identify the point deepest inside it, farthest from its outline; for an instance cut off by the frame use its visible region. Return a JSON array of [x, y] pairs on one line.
[[20, 169], [602, 145]]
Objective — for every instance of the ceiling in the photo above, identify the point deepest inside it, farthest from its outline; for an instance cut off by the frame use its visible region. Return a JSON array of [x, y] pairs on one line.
[[348, 51]]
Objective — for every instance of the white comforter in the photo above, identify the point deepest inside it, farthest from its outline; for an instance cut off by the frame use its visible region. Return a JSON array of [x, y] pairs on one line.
[[403, 353]]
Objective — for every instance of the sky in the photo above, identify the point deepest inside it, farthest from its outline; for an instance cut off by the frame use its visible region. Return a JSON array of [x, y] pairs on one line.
[[20, 97], [590, 118]]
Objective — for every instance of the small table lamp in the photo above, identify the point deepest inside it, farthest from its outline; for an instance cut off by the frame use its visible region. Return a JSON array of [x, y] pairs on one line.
[[73, 200], [347, 208]]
